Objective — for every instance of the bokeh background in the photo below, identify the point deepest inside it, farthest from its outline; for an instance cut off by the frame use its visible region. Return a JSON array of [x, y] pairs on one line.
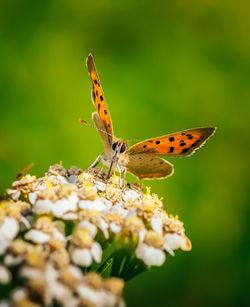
[[164, 66]]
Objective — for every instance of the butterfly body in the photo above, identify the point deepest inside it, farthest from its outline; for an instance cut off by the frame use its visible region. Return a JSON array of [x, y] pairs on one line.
[[142, 158], [112, 160]]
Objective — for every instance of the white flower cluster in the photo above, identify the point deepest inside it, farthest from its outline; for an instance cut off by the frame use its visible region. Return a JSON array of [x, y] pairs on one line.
[[64, 222]]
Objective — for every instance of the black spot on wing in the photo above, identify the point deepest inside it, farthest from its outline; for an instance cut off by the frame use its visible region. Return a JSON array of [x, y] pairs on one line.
[[171, 139], [182, 144], [185, 150], [93, 94], [171, 149], [196, 143]]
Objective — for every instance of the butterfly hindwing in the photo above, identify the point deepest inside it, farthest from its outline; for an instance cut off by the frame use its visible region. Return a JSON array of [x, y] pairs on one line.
[[146, 166], [179, 144], [98, 99]]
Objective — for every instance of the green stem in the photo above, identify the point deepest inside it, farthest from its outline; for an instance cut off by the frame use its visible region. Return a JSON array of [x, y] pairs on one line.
[[106, 264], [132, 268]]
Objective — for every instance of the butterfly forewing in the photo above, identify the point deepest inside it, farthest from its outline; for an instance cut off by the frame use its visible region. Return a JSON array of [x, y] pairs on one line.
[[179, 144], [98, 99]]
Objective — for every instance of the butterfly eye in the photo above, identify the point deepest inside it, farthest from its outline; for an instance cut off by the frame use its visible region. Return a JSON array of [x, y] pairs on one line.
[[123, 148], [114, 145]]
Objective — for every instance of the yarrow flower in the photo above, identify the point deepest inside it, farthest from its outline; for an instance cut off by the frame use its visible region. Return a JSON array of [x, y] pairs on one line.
[[72, 238]]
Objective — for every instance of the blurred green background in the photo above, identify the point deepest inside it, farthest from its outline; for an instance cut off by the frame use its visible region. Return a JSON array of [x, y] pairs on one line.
[[164, 66]]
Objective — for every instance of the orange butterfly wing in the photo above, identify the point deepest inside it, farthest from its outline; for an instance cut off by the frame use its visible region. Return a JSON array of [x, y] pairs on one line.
[[98, 98], [146, 166], [179, 144]]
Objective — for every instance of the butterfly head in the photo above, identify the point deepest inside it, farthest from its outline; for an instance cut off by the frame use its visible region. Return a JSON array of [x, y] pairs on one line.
[[118, 148]]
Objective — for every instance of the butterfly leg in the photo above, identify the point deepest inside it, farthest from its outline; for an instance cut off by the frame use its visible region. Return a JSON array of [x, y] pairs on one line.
[[94, 164], [124, 178], [120, 174], [100, 170], [110, 169]]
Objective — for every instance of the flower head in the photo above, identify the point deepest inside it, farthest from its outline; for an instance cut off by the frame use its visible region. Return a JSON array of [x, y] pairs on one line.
[[70, 217]]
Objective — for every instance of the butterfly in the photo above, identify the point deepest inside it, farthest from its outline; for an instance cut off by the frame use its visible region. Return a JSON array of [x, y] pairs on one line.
[[142, 158]]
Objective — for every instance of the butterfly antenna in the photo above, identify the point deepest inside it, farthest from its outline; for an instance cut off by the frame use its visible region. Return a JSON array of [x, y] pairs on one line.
[[25, 170], [92, 126], [134, 140]]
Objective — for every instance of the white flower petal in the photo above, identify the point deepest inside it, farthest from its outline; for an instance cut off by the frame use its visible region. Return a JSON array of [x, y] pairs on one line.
[[101, 186], [99, 298], [130, 195], [4, 303], [14, 194], [4, 244], [96, 252], [11, 260], [43, 206], [92, 205], [73, 198], [70, 302], [104, 228], [18, 294], [173, 241], [31, 273], [89, 294], [70, 216], [9, 229], [60, 179], [150, 255], [91, 228], [115, 228], [60, 207], [108, 204], [51, 273], [142, 234], [118, 208], [75, 271], [59, 291], [32, 197], [132, 212], [37, 236], [59, 236], [25, 223], [156, 224], [60, 226], [5, 275], [81, 256]]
